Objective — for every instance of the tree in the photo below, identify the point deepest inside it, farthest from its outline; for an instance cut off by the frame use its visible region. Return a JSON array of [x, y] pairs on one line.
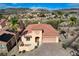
[[66, 15], [72, 21], [63, 32], [72, 12], [3, 54], [1, 16], [60, 13], [53, 13], [27, 22], [14, 23], [68, 44], [35, 22], [54, 23], [30, 16]]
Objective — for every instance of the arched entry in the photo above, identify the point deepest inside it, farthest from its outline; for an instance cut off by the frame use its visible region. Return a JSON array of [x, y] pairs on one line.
[[37, 41]]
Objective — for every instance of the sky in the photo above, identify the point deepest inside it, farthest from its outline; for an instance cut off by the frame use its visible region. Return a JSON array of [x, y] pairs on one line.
[[40, 5]]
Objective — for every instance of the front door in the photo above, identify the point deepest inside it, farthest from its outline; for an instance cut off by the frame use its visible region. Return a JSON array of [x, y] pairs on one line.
[[37, 41]]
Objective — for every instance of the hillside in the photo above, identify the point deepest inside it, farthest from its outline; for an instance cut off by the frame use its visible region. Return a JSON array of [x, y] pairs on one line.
[[28, 10]]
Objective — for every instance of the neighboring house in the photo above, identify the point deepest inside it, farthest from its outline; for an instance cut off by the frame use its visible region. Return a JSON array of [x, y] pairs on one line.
[[2, 23], [7, 41], [36, 34]]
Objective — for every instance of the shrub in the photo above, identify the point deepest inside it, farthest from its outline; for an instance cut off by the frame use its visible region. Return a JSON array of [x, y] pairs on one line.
[[23, 51], [65, 45], [14, 55], [3, 54]]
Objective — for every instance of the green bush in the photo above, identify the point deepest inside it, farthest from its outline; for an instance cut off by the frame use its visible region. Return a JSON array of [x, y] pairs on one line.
[[3, 54], [54, 23], [65, 45]]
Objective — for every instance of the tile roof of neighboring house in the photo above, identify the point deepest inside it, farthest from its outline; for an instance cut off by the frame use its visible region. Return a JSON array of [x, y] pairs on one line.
[[48, 29], [2, 21], [3, 31]]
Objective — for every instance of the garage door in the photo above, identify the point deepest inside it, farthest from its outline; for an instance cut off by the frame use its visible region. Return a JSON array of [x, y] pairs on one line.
[[50, 40]]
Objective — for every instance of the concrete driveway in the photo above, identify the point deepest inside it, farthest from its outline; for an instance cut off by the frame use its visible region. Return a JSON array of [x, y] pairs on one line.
[[49, 49]]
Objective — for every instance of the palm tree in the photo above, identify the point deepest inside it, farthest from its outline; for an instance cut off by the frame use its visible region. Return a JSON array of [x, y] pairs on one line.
[[14, 26], [14, 23]]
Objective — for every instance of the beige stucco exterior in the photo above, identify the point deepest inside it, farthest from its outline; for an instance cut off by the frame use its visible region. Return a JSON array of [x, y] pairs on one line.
[[30, 45], [0, 27]]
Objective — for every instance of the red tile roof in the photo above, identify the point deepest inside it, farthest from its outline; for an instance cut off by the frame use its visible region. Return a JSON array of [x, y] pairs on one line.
[[48, 29], [2, 32]]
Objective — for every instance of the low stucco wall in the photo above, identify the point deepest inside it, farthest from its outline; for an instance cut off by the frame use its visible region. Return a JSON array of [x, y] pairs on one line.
[[3, 47]]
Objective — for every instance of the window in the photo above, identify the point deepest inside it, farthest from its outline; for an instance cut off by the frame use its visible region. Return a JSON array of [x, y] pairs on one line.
[[22, 44], [27, 38]]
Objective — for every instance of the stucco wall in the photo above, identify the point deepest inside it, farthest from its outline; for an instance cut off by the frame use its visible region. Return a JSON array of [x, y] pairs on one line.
[[3, 47], [0, 27], [32, 43], [35, 33]]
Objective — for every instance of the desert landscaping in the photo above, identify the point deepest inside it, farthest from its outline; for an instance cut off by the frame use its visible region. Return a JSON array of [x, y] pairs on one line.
[[39, 32]]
